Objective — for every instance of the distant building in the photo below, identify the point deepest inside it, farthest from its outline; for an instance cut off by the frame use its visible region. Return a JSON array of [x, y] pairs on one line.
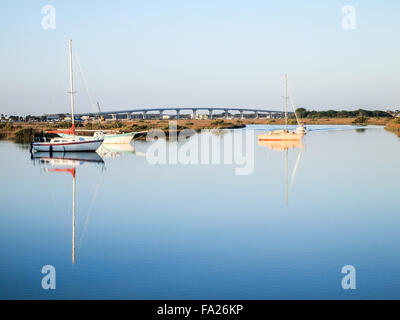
[[202, 116], [395, 113], [52, 117]]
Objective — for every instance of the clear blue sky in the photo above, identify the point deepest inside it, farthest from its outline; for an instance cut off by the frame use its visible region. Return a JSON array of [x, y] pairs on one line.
[[200, 53]]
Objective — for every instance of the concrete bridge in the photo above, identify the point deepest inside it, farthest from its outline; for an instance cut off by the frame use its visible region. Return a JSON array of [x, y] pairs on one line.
[[211, 112]]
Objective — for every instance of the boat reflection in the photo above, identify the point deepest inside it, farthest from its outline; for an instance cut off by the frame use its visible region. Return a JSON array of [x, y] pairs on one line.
[[281, 145], [285, 146], [66, 158], [115, 150], [68, 163]]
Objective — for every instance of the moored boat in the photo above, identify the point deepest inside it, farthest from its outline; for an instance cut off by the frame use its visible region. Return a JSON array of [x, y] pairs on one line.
[[282, 135], [109, 138], [71, 143], [119, 137]]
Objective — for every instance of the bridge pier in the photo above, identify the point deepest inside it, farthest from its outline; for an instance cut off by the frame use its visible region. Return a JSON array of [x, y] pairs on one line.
[[114, 116], [241, 114], [226, 113], [161, 113], [144, 115], [210, 113], [178, 113], [128, 116], [256, 115], [194, 113]]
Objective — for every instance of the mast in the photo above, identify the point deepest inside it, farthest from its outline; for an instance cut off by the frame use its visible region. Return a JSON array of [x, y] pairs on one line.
[[286, 101], [71, 84], [73, 219]]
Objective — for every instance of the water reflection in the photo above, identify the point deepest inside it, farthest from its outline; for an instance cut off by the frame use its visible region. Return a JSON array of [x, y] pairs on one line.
[[285, 146], [115, 150], [68, 163], [66, 158]]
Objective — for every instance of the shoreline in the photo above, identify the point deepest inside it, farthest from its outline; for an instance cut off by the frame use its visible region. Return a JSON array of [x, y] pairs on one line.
[[393, 126], [23, 131]]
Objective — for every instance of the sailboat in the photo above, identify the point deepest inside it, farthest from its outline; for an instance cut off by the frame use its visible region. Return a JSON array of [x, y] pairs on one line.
[[71, 142], [281, 135]]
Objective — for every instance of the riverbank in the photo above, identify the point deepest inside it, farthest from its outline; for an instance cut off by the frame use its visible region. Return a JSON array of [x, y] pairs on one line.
[[393, 126], [23, 131]]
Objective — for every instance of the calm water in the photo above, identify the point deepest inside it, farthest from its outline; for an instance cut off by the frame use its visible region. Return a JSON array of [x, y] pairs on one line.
[[147, 231]]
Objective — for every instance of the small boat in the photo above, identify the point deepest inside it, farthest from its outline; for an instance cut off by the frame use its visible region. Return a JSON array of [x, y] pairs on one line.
[[118, 137], [109, 138], [70, 143], [282, 135]]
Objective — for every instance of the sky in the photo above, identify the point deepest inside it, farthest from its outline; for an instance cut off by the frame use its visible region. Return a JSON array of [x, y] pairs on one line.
[[144, 54]]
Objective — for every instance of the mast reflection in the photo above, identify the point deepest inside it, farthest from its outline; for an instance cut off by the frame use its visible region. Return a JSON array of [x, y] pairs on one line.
[[285, 146], [67, 162]]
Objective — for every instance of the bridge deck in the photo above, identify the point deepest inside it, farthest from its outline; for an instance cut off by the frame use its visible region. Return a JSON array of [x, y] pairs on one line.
[[130, 111]]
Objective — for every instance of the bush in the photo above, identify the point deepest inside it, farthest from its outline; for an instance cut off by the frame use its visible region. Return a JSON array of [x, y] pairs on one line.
[[24, 135], [217, 122], [62, 125], [360, 120], [9, 126], [117, 124], [141, 127]]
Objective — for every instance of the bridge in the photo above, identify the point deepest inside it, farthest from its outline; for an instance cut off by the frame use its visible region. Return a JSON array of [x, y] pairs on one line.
[[210, 111]]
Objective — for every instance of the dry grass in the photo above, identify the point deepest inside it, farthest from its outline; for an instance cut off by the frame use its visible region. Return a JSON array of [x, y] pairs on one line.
[[8, 131], [394, 126]]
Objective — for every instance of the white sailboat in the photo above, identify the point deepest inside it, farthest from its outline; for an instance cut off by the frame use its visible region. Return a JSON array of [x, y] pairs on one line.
[[70, 143], [282, 135]]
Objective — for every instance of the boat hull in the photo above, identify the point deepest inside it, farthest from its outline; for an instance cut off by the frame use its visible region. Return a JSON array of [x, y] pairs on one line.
[[280, 135], [79, 146], [120, 138]]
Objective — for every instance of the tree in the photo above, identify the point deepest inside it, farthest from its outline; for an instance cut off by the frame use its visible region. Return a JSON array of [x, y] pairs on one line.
[[331, 113], [301, 112]]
